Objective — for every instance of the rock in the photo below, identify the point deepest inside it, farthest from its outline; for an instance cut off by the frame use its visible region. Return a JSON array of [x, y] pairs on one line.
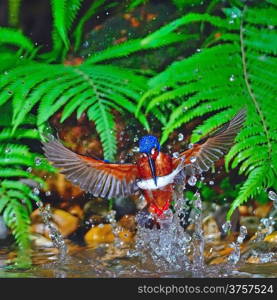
[[104, 234], [126, 236], [65, 222], [124, 206], [219, 260], [76, 211], [99, 234], [128, 222], [210, 228], [4, 231], [97, 206], [263, 210], [271, 238], [253, 260], [40, 241]]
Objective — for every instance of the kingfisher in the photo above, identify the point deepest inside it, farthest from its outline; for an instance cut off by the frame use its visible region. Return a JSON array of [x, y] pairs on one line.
[[154, 174]]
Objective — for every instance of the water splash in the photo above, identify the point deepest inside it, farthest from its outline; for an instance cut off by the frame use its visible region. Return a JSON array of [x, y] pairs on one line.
[[115, 228], [198, 240], [55, 235], [234, 257]]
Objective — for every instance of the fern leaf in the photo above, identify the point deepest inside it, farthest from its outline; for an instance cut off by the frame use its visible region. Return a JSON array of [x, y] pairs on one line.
[[15, 37]]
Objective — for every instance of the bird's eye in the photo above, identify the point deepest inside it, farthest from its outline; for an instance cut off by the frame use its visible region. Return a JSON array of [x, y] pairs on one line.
[[153, 151]]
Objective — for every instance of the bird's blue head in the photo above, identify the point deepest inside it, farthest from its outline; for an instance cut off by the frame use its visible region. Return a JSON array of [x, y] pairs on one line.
[[147, 143], [150, 147]]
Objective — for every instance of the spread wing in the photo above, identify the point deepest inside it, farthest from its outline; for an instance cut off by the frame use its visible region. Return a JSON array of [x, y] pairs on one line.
[[203, 154], [97, 177]]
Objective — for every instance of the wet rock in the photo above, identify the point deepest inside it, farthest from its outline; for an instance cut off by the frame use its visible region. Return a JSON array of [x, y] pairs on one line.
[[263, 210], [126, 236], [104, 234], [271, 238], [253, 260], [97, 206], [4, 231], [219, 260], [99, 234], [128, 222], [210, 228], [76, 211], [40, 241], [64, 221], [124, 206]]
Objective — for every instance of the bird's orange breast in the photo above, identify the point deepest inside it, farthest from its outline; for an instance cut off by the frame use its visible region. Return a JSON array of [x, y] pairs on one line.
[[157, 200], [163, 165]]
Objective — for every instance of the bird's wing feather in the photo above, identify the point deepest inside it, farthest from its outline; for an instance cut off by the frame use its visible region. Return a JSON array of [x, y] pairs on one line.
[[97, 177], [202, 155]]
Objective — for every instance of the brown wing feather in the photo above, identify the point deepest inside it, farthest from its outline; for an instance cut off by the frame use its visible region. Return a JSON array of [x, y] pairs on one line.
[[203, 154], [94, 176]]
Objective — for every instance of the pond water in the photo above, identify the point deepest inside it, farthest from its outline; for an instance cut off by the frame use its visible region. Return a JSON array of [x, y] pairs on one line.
[[167, 251]]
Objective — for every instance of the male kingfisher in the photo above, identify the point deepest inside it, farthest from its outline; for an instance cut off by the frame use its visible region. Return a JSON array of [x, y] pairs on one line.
[[154, 173]]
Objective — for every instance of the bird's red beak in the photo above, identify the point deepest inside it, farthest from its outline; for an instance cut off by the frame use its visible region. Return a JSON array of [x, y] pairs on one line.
[[152, 168]]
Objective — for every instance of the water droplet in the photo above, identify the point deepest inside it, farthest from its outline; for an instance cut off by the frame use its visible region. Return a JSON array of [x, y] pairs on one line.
[[176, 154], [10, 92], [198, 50], [6, 73], [7, 150], [136, 149], [48, 193], [37, 161], [185, 108], [211, 182], [180, 137], [86, 44], [270, 27], [29, 170], [272, 196], [190, 145], [192, 180], [36, 191], [39, 204], [232, 78], [193, 159], [242, 234], [226, 227], [234, 15]]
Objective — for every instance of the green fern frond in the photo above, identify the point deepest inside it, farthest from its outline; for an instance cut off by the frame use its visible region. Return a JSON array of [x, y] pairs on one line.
[[16, 164], [238, 71], [129, 47], [59, 10], [15, 37], [95, 89], [250, 188]]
